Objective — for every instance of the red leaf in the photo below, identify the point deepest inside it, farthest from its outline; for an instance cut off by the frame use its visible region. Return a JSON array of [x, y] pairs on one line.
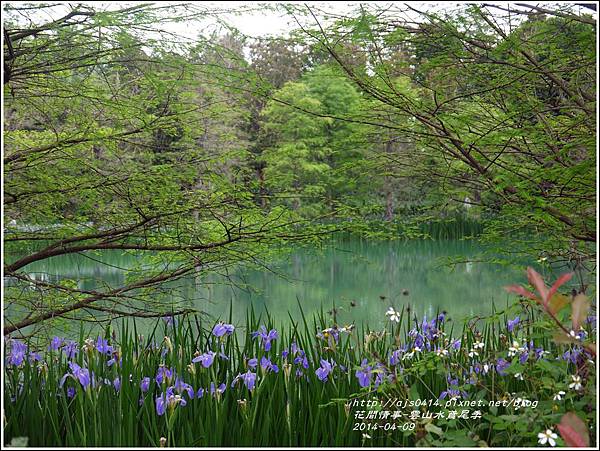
[[579, 310], [574, 431], [536, 280], [521, 291], [560, 281]]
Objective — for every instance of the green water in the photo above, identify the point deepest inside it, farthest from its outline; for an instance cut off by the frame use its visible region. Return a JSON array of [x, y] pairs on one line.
[[362, 279]]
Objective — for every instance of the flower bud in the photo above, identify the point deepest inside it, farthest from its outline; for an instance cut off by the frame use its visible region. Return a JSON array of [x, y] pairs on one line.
[[168, 344], [287, 368]]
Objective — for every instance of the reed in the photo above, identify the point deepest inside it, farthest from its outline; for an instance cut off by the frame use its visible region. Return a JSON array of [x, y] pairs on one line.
[[189, 383]]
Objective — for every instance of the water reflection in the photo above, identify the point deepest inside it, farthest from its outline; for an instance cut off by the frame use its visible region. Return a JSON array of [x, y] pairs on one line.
[[361, 279]]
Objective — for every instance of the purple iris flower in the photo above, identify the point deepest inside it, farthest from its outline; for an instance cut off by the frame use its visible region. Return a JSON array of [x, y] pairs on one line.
[[70, 349], [455, 344], [117, 383], [222, 329], [419, 341], [220, 389], [103, 347], [301, 360], [35, 357], [451, 381], [200, 393], [161, 405], [170, 321], [285, 353], [327, 334], [572, 355], [81, 374], [501, 366], [168, 399], [252, 363], [249, 379], [380, 374], [114, 360], [395, 357], [512, 323], [181, 387], [145, 384], [55, 344], [364, 374], [452, 390], [267, 365], [206, 359], [71, 392], [324, 370], [163, 374], [523, 357], [266, 337], [539, 353], [18, 349]]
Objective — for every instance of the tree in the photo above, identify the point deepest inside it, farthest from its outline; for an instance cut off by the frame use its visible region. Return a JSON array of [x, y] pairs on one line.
[[311, 158], [503, 113], [101, 153]]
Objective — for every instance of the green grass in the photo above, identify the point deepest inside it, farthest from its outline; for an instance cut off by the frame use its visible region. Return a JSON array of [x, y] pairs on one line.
[[285, 409]]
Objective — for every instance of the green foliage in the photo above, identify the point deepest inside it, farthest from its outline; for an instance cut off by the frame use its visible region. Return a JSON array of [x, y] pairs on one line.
[[292, 406]]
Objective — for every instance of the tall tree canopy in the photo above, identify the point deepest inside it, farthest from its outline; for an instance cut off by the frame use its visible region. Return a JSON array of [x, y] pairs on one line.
[[196, 154], [113, 143], [499, 103]]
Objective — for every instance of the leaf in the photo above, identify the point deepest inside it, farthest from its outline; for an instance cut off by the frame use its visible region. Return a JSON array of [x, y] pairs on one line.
[[557, 303], [19, 442], [521, 291], [414, 392], [574, 431], [430, 427], [579, 310], [536, 280], [560, 281]]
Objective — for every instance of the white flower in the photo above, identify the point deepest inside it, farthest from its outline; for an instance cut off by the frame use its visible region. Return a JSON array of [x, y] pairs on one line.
[[478, 345], [576, 335], [519, 376], [547, 437], [576, 384], [559, 395], [473, 353], [486, 368], [441, 352], [417, 349], [393, 315], [515, 349]]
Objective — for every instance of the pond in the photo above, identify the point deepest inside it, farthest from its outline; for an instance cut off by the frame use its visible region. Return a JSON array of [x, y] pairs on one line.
[[360, 279]]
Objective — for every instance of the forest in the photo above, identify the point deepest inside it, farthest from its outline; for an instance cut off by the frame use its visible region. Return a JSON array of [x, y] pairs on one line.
[[154, 154]]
